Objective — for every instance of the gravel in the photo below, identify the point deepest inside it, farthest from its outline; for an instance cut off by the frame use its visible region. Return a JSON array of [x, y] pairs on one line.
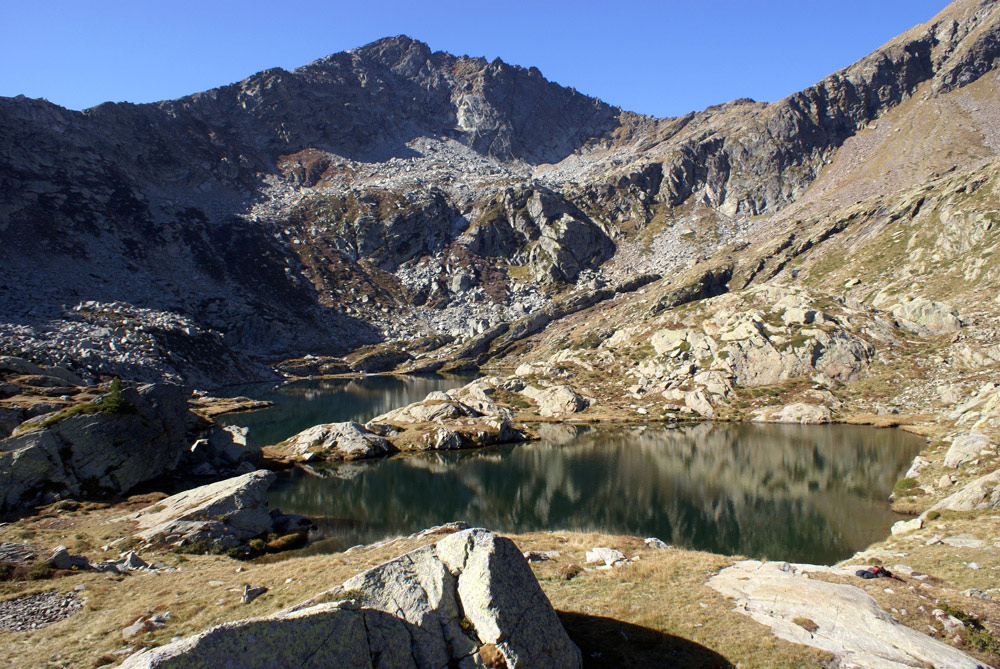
[[38, 610]]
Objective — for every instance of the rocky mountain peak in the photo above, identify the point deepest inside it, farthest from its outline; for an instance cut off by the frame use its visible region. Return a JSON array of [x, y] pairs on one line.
[[407, 176]]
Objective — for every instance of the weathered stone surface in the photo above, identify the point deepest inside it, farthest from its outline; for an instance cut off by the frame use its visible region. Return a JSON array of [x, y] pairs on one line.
[[906, 526], [965, 448], [609, 556], [426, 412], [800, 412], [406, 612], [98, 453], [346, 441], [556, 400], [982, 493], [926, 316], [224, 514], [848, 623]]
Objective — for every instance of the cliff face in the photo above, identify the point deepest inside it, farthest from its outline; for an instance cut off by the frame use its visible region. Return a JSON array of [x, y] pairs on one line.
[[392, 192]]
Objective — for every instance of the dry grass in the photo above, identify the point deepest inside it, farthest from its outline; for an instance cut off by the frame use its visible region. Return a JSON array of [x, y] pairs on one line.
[[653, 612]]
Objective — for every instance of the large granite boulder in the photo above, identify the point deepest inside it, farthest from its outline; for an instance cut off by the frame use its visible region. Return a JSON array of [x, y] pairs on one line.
[[470, 600], [926, 317], [556, 400], [336, 441], [966, 448], [799, 412], [90, 450], [224, 514]]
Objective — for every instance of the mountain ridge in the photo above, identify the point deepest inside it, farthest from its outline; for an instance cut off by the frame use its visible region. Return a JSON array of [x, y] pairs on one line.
[[455, 193]]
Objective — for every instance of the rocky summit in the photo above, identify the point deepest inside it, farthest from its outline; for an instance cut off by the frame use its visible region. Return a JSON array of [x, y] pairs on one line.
[[393, 194], [831, 257]]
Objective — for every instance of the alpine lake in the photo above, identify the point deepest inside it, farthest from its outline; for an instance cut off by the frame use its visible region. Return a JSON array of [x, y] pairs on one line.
[[784, 492]]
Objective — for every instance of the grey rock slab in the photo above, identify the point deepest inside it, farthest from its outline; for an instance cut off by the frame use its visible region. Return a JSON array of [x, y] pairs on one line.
[[799, 412], [965, 448], [556, 400], [226, 512], [848, 622], [350, 441], [926, 316], [325, 635], [981, 493]]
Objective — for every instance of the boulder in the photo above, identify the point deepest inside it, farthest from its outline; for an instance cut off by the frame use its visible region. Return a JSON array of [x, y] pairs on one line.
[[698, 401], [926, 317], [225, 447], [343, 441], [97, 453], [965, 448], [556, 400], [427, 411], [470, 600], [224, 514], [983, 493], [843, 619], [800, 412]]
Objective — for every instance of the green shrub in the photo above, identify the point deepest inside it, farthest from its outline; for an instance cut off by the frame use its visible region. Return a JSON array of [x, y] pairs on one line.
[[905, 488], [114, 402]]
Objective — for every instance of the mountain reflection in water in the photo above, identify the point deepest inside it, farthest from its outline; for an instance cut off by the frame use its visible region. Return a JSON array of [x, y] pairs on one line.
[[803, 493], [299, 405]]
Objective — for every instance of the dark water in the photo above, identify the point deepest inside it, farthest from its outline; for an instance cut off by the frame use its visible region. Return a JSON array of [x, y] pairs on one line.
[[803, 493], [302, 404]]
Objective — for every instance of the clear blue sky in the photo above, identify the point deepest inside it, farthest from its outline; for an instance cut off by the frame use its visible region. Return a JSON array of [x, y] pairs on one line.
[[663, 58]]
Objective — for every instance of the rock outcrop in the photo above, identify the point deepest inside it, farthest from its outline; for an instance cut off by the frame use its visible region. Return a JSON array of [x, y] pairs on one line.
[[800, 412], [335, 441], [982, 493], [220, 515], [557, 400], [86, 451], [840, 619], [967, 447], [470, 600]]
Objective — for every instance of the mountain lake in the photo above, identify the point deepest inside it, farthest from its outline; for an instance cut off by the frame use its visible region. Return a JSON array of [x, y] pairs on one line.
[[785, 492]]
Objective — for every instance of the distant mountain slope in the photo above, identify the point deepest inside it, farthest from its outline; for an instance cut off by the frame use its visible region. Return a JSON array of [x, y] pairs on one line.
[[392, 192]]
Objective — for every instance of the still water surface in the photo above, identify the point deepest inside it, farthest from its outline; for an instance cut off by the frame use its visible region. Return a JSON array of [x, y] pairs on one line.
[[803, 493]]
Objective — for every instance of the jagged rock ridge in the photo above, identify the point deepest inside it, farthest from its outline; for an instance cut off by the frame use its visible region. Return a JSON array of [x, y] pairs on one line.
[[392, 192]]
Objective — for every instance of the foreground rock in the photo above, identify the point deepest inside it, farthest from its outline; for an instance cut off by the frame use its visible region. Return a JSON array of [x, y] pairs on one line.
[[837, 618], [95, 451], [220, 515], [470, 600]]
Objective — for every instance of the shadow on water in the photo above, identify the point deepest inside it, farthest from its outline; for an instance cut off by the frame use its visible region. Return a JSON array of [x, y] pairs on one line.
[[606, 642], [812, 494]]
